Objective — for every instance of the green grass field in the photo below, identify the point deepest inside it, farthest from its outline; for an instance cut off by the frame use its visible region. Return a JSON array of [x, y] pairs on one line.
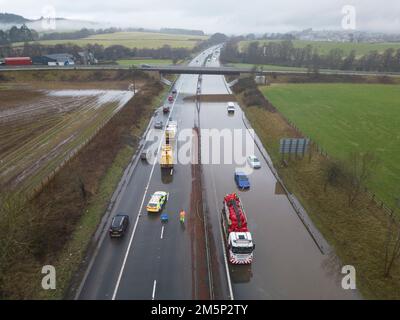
[[135, 62], [267, 67], [325, 46], [132, 40], [349, 117]]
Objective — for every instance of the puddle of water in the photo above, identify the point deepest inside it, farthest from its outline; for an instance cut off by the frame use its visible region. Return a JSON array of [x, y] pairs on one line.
[[103, 96]]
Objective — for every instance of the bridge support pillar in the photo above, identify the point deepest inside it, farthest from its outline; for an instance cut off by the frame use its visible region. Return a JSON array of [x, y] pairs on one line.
[[164, 80]]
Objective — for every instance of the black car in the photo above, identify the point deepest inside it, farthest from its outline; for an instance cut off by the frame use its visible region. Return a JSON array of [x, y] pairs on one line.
[[119, 225], [166, 109], [174, 91]]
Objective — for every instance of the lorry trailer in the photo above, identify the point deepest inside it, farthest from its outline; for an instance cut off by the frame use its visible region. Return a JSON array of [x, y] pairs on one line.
[[18, 61], [238, 239]]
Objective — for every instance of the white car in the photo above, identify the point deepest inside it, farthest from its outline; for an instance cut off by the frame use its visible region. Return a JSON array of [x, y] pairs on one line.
[[254, 162], [231, 107]]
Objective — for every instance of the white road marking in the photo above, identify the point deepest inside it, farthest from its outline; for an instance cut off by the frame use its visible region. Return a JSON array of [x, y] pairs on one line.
[[228, 275], [141, 206], [162, 232], [154, 290], [220, 229]]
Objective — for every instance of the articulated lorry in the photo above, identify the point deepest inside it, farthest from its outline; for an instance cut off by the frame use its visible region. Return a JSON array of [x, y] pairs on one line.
[[167, 150], [238, 239], [18, 61]]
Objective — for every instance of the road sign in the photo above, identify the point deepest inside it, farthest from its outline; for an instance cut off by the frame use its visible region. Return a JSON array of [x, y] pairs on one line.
[[294, 146]]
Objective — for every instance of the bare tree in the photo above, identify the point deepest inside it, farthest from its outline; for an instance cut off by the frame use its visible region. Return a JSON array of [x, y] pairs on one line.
[[392, 246], [332, 171], [358, 170]]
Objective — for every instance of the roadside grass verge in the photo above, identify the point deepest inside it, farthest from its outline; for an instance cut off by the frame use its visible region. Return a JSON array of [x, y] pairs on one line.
[[358, 233], [72, 255], [267, 67], [134, 62]]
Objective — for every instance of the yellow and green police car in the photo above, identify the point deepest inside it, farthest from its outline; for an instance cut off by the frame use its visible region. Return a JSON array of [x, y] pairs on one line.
[[157, 202]]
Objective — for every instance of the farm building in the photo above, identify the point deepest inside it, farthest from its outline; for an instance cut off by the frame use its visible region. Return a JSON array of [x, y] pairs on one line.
[[87, 58], [43, 60], [61, 59]]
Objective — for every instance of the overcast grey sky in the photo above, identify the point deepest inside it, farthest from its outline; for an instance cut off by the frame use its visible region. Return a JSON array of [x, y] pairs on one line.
[[232, 17]]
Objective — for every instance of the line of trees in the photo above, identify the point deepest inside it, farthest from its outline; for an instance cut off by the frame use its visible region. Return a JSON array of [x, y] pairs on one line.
[[215, 39], [80, 34], [16, 34], [286, 54]]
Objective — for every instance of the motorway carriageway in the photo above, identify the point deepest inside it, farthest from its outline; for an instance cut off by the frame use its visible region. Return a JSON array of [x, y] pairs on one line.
[[153, 262]]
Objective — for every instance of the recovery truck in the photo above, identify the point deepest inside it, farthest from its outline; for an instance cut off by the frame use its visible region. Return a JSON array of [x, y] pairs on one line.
[[238, 239]]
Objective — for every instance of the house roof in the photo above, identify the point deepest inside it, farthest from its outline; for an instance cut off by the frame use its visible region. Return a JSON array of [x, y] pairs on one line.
[[60, 56]]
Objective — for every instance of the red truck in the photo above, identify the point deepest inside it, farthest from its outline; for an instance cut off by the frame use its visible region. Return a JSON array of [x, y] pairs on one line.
[[238, 238], [18, 61]]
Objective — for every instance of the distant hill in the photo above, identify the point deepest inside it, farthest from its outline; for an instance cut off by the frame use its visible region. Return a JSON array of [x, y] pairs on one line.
[[7, 20], [10, 18], [182, 31]]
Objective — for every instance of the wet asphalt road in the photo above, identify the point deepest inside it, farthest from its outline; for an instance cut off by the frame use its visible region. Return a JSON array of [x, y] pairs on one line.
[[287, 263]]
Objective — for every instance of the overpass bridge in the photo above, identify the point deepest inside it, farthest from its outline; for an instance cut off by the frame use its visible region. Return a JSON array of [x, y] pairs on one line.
[[197, 70], [161, 69]]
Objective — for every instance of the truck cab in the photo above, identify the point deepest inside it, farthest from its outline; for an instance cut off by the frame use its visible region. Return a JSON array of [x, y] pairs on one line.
[[241, 247]]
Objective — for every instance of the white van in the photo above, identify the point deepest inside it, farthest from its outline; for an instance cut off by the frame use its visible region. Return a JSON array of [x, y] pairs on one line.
[[231, 107]]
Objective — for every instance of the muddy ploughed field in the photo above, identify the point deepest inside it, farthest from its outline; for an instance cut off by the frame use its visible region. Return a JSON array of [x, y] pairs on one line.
[[39, 133]]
